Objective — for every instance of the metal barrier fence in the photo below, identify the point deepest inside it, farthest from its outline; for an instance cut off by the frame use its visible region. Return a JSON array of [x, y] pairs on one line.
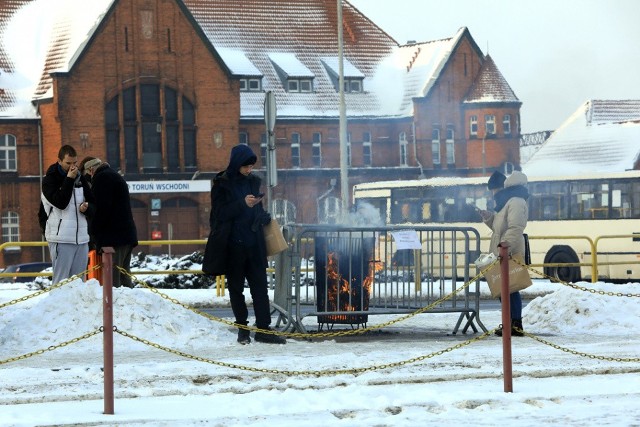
[[342, 275]]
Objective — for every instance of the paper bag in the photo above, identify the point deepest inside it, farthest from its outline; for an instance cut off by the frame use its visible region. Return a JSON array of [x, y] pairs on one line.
[[274, 239], [518, 277]]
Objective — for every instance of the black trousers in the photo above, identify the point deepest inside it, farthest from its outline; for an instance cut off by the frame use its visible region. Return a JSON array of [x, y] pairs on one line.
[[245, 262]]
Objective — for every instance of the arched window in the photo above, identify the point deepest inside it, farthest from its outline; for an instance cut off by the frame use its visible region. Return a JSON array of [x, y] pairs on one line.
[[284, 211], [329, 210], [158, 131], [8, 153], [11, 229]]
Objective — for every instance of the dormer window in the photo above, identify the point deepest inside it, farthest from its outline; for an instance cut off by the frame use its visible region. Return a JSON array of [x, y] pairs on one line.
[[250, 84], [294, 75], [353, 78], [299, 85]]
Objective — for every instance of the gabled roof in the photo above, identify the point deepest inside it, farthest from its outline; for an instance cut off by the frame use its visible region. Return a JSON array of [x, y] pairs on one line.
[[490, 86], [600, 136], [245, 36]]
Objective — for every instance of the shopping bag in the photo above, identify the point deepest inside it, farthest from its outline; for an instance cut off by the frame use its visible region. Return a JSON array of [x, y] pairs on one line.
[[274, 239], [519, 278]]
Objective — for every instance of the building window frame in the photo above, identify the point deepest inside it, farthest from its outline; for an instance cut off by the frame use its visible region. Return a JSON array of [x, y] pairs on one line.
[[8, 153], [490, 124], [403, 145], [473, 125], [316, 149], [295, 149], [435, 146], [450, 148], [11, 229], [367, 155], [506, 124]]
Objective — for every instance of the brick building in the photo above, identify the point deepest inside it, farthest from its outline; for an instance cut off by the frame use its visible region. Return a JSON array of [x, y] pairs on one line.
[[162, 89]]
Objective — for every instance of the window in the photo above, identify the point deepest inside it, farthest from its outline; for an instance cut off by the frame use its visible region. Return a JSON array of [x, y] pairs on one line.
[[353, 85], [284, 211], [435, 146], [243, 138], [366, 148], [295, 150], [402, 140], [490, 124], [7, 153], [349, 148], [473, 125], [329, 210], [11, 229], [450, 145], [506, 124], [250, 85], [263, 150], [165, 121], [316, 153], [299, 85]]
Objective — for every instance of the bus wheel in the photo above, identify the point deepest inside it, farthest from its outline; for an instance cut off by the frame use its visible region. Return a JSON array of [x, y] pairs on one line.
[[562, 273]]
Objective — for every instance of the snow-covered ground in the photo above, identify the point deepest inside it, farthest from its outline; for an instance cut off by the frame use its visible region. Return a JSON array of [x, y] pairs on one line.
[[293, 385]]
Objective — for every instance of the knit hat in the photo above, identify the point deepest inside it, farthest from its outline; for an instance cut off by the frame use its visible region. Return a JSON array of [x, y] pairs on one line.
[[496, 181], [91, 163]]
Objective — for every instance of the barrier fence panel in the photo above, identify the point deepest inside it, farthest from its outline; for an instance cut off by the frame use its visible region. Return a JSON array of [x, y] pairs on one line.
[[342, 275]]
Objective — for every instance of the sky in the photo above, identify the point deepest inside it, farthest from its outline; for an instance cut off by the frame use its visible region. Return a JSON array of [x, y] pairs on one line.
[[555, 54], [460, 387]]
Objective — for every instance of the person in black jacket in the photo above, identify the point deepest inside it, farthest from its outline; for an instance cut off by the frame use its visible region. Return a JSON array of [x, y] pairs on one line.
[[236, 246], [112, 225]]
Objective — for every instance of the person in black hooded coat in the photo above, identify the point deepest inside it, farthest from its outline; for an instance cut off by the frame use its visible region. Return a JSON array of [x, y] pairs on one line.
[[236, 247]]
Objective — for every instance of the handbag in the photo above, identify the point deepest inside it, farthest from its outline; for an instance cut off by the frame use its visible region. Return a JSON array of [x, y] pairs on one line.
[[518, 277], [274, 238]]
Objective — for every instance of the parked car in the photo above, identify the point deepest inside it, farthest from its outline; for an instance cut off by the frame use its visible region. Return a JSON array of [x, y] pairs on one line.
[[30, 267]]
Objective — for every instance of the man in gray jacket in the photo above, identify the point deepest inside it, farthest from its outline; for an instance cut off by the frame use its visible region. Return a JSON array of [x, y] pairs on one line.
[[67, 201]]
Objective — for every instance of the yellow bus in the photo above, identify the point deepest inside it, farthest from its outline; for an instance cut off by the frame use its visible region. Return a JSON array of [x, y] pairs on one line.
[[566, 214]]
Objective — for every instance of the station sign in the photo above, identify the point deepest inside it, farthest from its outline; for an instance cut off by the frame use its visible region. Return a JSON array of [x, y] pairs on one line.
[[190, 186]]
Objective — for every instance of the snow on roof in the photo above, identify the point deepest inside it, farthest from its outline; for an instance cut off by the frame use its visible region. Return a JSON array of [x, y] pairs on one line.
[[332, 64], [490, 86], [600, 136], [238, 62]]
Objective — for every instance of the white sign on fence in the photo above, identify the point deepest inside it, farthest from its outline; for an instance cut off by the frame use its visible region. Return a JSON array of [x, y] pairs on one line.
[[406, 239]]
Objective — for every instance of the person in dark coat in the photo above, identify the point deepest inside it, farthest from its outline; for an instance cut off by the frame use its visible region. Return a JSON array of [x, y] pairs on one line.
[[112, 225], [236, 246]]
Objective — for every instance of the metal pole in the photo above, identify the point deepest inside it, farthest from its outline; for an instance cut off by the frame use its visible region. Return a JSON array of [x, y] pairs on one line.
[[344, 177], [107, 325], [506, 318]]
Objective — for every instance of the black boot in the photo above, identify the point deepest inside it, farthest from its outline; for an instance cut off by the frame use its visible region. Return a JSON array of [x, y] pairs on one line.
[[244, 336], [515, 323], [269, 337], [516, 328]]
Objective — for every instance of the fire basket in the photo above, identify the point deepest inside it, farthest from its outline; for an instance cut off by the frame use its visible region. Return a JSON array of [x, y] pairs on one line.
[[344, 275]]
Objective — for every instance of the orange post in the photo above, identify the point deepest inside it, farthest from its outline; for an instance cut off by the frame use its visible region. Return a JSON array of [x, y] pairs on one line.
[[95, 259], [506, 318], [107, 325]]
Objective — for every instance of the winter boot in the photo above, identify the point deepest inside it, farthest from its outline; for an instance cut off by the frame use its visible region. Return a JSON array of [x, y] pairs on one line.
[[244, 336], [269, 338], [516, 328], [515, 323]]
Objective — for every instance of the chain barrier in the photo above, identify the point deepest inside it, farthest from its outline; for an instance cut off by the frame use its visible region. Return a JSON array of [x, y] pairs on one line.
[[52, 347], [317, 373], [577, 287], [49, 289], [307, 335]]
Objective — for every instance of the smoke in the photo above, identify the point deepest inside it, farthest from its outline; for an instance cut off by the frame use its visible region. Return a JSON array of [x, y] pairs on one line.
[[365, 215]]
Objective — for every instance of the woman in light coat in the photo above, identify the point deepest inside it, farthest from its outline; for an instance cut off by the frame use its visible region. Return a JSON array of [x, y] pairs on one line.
[[508, 223]]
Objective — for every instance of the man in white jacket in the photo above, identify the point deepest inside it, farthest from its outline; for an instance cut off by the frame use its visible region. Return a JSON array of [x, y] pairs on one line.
[[67, 200]]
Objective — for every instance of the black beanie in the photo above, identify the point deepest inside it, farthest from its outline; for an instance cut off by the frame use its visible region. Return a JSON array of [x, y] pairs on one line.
[[496, 180]]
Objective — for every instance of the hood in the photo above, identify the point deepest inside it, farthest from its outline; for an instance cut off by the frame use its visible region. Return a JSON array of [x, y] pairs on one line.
[[516, 178], [241, 154]]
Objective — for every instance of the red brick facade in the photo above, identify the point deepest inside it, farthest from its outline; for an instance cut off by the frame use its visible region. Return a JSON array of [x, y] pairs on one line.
[[144, 42]]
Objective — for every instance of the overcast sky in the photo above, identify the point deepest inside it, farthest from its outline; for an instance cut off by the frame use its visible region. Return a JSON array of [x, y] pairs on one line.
[[555, 54]]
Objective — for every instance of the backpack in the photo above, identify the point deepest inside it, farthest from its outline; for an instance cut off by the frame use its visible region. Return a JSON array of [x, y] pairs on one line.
[[42, 217]]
